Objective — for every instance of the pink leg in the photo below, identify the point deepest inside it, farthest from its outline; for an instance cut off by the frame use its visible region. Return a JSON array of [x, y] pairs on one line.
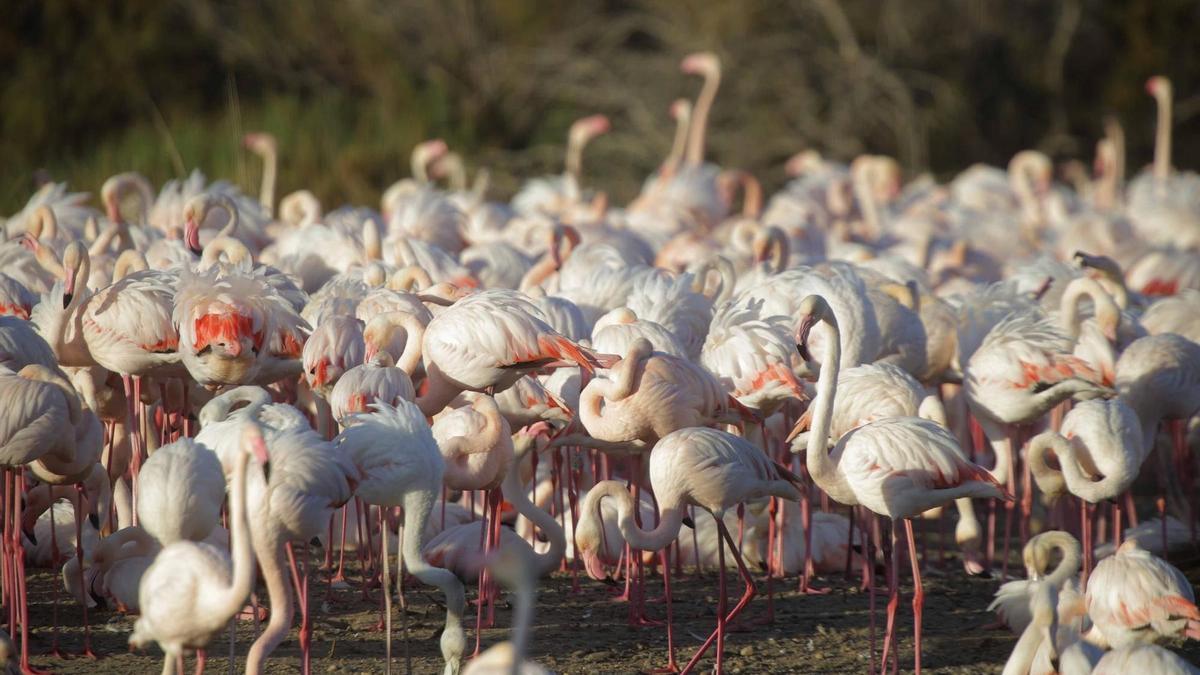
[[300, 581], [869, 579], [201, 659], [1009, 507], [889, 635], [672, 666], [1116, 531], [87, 631], [1130, 511], [722, 618], [918, 596], [1085, 527]]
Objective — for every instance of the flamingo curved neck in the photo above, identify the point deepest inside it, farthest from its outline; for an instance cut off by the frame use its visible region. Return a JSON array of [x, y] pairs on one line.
[[418, 504], [824, 471], [1071, 560], [1162, 138], [1049, 481], [670, 518], [699, 122], [235, 252], [1069, 312], [516, 494], [679, 143], [226, 602]]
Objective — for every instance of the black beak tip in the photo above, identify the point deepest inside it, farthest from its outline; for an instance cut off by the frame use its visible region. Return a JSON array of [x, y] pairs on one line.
[[30, 536], [687, 520], [195, 251], [804, 353], [94, 520], [67, 300], [315, 541]]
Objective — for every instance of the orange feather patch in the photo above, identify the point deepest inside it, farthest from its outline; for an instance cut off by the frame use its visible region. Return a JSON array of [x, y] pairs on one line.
[[1158, 286], [228, 328]]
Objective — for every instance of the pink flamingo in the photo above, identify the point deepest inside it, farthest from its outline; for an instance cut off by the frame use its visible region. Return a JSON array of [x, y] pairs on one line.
[[898, 467], [1135, 597], [401, 465], [696, 466], [192, 590], [488, 341], [476, 442]]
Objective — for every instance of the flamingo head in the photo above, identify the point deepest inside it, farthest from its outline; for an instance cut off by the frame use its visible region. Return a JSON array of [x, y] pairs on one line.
[[587, 128], [259, 142], [1158, 85], [680, 108], [72, 259], [191, 230], [704, 64], [813, 309]]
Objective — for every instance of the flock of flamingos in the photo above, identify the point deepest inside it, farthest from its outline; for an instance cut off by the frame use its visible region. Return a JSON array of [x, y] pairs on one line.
[[198, 386]]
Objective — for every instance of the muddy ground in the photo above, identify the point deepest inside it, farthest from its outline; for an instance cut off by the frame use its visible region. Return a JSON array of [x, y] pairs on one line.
[[587, 631]]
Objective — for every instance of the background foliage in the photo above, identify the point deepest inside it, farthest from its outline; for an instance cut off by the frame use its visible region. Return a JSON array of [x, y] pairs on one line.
[[91, 87]]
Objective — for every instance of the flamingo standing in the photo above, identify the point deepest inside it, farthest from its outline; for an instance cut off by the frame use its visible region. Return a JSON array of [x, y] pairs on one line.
[[192, 590], [897, 467], [401, 465], [476, 442], [1159, 377], [1100, 453], [696, 466]]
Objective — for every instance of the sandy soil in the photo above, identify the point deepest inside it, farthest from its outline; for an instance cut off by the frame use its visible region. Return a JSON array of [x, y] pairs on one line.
[[587, 631]]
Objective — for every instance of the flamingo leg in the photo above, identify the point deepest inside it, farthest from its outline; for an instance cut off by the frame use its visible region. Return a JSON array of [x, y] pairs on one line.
[[387, 600], [869, 579], [573, 498], [201, 659], [1116, 531], [1183, 465], [672, 666], [1085, 528], [918, 602], [889, 635], [87, 630], [54, 562], [300, 581], [1009, 506], [722, 618]]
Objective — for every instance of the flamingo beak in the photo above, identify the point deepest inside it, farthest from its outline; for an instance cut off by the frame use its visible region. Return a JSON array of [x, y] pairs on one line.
[[806, 325], [69, 288], [191, 235]]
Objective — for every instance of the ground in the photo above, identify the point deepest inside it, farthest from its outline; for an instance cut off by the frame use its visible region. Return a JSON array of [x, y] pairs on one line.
[[587, 631]]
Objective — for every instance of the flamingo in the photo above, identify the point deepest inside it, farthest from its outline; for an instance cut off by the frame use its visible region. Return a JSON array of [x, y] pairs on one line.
[[191, 591], [1022, 368], [1159, 377], [1134, 597], [377, 379], [694, 466], [897, 467], [181, 488], [881, 390], [488, 341], [119, 561], [1100, 453], [401, 465], [514, 567], [476, 442], [1011, 603], [265, 146], [309, 479]]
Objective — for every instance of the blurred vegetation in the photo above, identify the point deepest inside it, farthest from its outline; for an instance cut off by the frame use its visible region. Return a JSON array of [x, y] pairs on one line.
[[92, 88]]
